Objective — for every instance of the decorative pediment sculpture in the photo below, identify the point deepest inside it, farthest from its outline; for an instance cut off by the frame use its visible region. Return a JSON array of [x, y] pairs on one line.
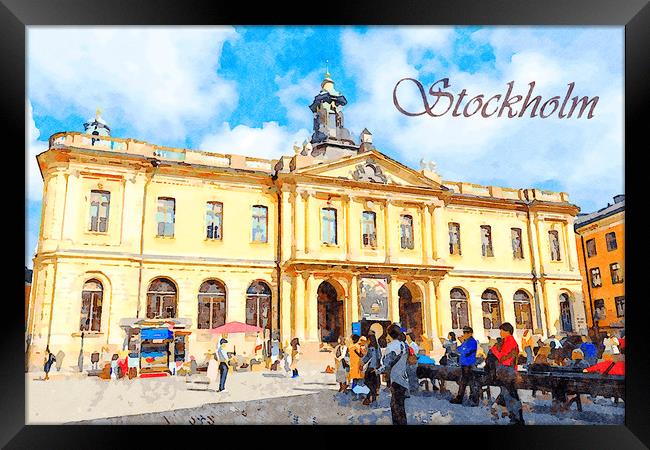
[[369, 171]]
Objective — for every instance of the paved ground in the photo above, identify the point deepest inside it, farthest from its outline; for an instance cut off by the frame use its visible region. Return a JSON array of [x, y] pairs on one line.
[[265, 397]]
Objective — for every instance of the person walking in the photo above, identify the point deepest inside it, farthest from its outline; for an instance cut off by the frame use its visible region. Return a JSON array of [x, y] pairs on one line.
[[295, 352], [222, 356], [371, 377], [506, 371], [467, 352], [341, 365], [394, 363], [527, 346], [114, 366], [275, 353], [49, 360]]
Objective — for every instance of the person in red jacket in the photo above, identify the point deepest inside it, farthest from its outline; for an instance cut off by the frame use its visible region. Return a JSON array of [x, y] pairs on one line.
[[506, 370]]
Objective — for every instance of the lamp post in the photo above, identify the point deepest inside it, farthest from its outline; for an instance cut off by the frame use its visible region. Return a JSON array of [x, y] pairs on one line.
[[81, 354]]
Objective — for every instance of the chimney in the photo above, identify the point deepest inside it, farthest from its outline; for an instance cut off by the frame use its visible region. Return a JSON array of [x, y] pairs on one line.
[[619, 198]]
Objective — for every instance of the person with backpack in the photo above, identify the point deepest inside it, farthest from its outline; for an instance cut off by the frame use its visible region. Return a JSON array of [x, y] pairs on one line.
[[394, 363], [506, 371], [50, 359]]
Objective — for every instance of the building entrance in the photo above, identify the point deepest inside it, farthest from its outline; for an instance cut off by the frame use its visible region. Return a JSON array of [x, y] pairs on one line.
[[410, 310], [330, 313]]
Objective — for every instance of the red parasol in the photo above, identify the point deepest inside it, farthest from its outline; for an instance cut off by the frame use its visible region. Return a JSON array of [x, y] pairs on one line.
[[235, 327]]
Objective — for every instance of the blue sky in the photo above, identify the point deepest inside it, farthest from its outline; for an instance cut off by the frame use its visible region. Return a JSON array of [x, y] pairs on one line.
[[247, 90]]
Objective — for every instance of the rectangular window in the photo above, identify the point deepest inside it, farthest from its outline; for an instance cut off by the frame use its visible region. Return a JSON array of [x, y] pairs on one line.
[[554, 242], [596, 281], [454, 238], [486, 240], [99, 205], [599, 309], [591, 248], [260, 223], [328, 225], [620, 306], [610, 238], [616, 272], [214, 220], [166, 216], [369, 229], [406, 232], [517, 249]]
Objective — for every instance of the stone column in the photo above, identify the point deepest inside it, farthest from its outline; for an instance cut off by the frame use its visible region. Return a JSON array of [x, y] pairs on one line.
[[475, 309], [353, 295], [393, 300], [354, 229], [299, 307], [390, 249], [286, 232], [538, 290], [572, 250], [285, 307], [439, 230], [73, 208], [299, 224], [311, 304], [425, 225], [433, 325], [309, 224], [54, 203]]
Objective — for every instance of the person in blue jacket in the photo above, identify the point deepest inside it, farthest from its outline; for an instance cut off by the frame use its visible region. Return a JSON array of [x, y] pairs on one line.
[[467, 352]]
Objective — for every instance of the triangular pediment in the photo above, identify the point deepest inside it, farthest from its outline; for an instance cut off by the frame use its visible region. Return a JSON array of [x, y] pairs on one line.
[[371, 167]]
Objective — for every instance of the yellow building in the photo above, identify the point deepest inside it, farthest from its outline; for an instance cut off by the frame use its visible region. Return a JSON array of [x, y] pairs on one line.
[[601, 249], [305, 245]]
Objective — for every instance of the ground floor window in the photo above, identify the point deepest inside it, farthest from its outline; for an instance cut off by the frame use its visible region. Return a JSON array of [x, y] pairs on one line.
[[212, 305], [91, 306], [258, 305], [161, 299], [491, 310], [523, 313], [459, 309]]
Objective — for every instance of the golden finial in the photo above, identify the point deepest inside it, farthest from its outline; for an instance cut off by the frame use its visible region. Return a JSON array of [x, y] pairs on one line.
[[327, 68], [98, 112]]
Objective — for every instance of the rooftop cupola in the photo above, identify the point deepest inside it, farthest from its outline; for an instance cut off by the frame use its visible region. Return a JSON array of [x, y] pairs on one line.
[[97, 126], [330, 139]]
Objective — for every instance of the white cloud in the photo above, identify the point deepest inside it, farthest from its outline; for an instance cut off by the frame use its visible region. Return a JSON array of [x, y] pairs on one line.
[[270, 141], [160, 82], [584, 157]]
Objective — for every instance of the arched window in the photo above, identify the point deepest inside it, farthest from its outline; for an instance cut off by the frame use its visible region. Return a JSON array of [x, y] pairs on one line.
[[491, 310], [565, 313], [212, 305], [258, 305], [91, 306], [523, 315], [161, 299], [459, 309]]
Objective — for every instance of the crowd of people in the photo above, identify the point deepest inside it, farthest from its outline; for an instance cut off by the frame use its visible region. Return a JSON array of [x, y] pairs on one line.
[[359, 363]]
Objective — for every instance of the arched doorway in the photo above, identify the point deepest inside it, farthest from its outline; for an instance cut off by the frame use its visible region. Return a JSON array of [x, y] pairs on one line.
[[161, 299], [330, 313], [91, 306], [410, 309], [258, 305], [565, 313]]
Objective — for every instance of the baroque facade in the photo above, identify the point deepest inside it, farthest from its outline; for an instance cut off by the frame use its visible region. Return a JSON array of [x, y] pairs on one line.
[[305, 245]]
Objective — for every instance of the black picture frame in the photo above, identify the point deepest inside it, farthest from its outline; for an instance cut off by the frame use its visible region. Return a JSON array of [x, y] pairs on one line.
[[634, 15]]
